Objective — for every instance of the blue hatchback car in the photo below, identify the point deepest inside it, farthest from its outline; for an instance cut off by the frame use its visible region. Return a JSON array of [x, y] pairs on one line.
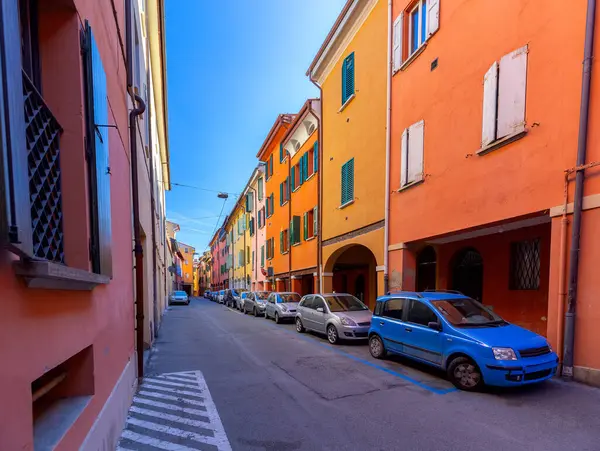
[[461, 336]]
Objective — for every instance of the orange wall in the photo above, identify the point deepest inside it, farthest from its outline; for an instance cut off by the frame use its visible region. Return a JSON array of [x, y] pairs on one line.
[[280, 219], [462, 189], [305, 198], [358, 131], [187, 265]]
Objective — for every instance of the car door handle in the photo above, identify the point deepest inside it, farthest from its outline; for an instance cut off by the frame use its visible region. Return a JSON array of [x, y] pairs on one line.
[[381, 323], [408, 329]]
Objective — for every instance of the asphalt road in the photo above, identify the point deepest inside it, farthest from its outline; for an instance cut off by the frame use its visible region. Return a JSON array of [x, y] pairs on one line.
[[275, 389]]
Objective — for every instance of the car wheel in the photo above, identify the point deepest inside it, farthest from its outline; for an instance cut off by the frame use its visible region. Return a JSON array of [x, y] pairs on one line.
[[254, 311], [376, 347], [465, 374], [277, 317], [332, 334], [266, 316], [299, 326]]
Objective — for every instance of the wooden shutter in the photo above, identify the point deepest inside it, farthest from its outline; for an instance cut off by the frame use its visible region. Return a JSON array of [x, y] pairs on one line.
[[344, 184], [296, 229], [281, 242], [271, 165], [280, 152], [490, 101], [404, 159], [350, 180], [348, 77], [100, 174], [316, 156], [433, 17], [415, 152], [511, 93], [305, 226], [305, 157], [281, 194], [293, 175], [267, 170], [397, 43], [262, 256], [315, 221]]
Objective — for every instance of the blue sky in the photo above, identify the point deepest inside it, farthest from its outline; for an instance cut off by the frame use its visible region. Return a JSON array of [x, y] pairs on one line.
[[232, 67]]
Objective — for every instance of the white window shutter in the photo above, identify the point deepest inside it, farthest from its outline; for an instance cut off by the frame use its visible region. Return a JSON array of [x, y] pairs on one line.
[[397, 46], [404, 159], [415, 154], [511, 93], [433, 17], [490, 100]]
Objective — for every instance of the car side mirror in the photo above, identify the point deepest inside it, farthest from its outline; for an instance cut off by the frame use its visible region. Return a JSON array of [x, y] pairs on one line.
[[320, 310], [435, 326]]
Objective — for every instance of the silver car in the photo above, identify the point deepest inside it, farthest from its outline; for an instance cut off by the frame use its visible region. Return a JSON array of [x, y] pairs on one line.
[[240, 297], [179, 297], [282, 306], [339, 316], [255, 303], [220, 296]]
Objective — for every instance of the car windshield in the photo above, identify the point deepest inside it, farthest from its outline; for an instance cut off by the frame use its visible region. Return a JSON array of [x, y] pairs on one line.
[[179, 293], [344, 303], [466, 312], [262, 295], [288, 297]]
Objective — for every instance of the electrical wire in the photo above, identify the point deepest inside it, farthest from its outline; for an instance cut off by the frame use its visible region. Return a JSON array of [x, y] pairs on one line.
[[204, 189], [218, 220]]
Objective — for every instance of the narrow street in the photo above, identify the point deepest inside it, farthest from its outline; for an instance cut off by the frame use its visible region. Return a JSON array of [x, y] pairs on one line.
[[275, 389]]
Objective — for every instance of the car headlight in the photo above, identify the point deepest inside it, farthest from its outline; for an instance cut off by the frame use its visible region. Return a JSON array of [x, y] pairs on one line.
[[504, 354], [347, 321], [283, 308]]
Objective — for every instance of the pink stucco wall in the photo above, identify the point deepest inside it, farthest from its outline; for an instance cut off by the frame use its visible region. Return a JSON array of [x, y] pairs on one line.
[[39, 329]]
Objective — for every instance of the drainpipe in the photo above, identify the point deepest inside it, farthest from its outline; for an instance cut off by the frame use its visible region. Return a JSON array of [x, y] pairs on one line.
[[289, 193], [388, 139], [255, 203], [320, 188], [564, 222], [569, 338], [138, 250]]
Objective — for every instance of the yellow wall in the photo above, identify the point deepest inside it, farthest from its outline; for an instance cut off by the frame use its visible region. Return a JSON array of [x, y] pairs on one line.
[[187, 265], [241, 243], [358, 131]]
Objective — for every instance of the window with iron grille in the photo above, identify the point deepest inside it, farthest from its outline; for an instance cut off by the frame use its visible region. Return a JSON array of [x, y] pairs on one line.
[[525, 265]]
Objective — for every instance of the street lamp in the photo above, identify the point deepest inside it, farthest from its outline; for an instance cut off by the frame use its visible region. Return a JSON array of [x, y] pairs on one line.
[[223, 196]]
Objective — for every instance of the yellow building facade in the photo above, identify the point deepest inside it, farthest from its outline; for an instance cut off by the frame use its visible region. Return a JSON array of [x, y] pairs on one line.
[[351, 69]]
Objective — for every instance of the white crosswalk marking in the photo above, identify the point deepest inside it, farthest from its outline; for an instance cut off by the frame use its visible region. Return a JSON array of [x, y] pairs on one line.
[[179, 414]]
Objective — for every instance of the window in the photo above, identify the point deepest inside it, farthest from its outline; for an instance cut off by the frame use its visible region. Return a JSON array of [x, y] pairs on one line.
[[525, 265], [348, 78], [249, 202], [419, 313], [281, 153], [270, 205], [262, 256], [271, 165], [313, 159], [295, 230], [318, 302], [309, 224], [284, 243], [412, 28], [347, 184], [307, 302], [248, 254], [504, 89], [411, 158], [393, 309], [270, 248], [260, 189], [295, 176], [252, 227], [284, 192]]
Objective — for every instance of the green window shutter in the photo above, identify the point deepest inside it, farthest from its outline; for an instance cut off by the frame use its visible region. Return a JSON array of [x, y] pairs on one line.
[[305, 226], [296, 225], [281, 242], [316, 157], [262, 256], [281, 194], [293, 178], [291, 232], [348, 78], [267, 169], [301, 170], [305, 166], [280, 152], [344, 184], [271, 165], [315, 221], [348, 181]]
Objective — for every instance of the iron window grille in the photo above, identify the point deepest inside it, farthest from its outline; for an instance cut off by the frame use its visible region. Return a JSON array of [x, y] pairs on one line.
[[525, 265], [43, 157]]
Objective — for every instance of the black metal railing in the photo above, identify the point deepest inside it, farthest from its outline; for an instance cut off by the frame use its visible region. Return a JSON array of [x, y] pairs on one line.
[[43, 155]]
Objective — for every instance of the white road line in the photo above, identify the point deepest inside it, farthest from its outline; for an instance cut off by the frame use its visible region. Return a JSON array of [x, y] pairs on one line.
[[170, 406], [169, 417], [145, 440], [171, 398], [151, 380], [213, 415], [178, 378], [173, 390], [234, 311], [174, 431]]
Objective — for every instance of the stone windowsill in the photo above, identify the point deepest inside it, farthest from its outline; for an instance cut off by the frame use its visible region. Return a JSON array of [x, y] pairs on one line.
[[55, 276], [499, 143]]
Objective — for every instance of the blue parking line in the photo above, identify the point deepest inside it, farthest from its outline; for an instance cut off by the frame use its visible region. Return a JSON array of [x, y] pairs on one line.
[[437, 391]]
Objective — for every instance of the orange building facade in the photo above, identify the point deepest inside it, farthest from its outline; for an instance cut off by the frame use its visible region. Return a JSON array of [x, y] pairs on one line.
[[277, 211], [482, 132], [301, 147], [187, 268]]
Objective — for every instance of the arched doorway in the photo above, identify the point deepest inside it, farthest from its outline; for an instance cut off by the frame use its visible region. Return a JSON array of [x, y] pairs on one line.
[[426, 269], [467, 273], [354, 272]]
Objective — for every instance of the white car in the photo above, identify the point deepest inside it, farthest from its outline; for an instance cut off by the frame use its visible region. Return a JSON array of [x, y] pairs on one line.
[[179, 297]]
